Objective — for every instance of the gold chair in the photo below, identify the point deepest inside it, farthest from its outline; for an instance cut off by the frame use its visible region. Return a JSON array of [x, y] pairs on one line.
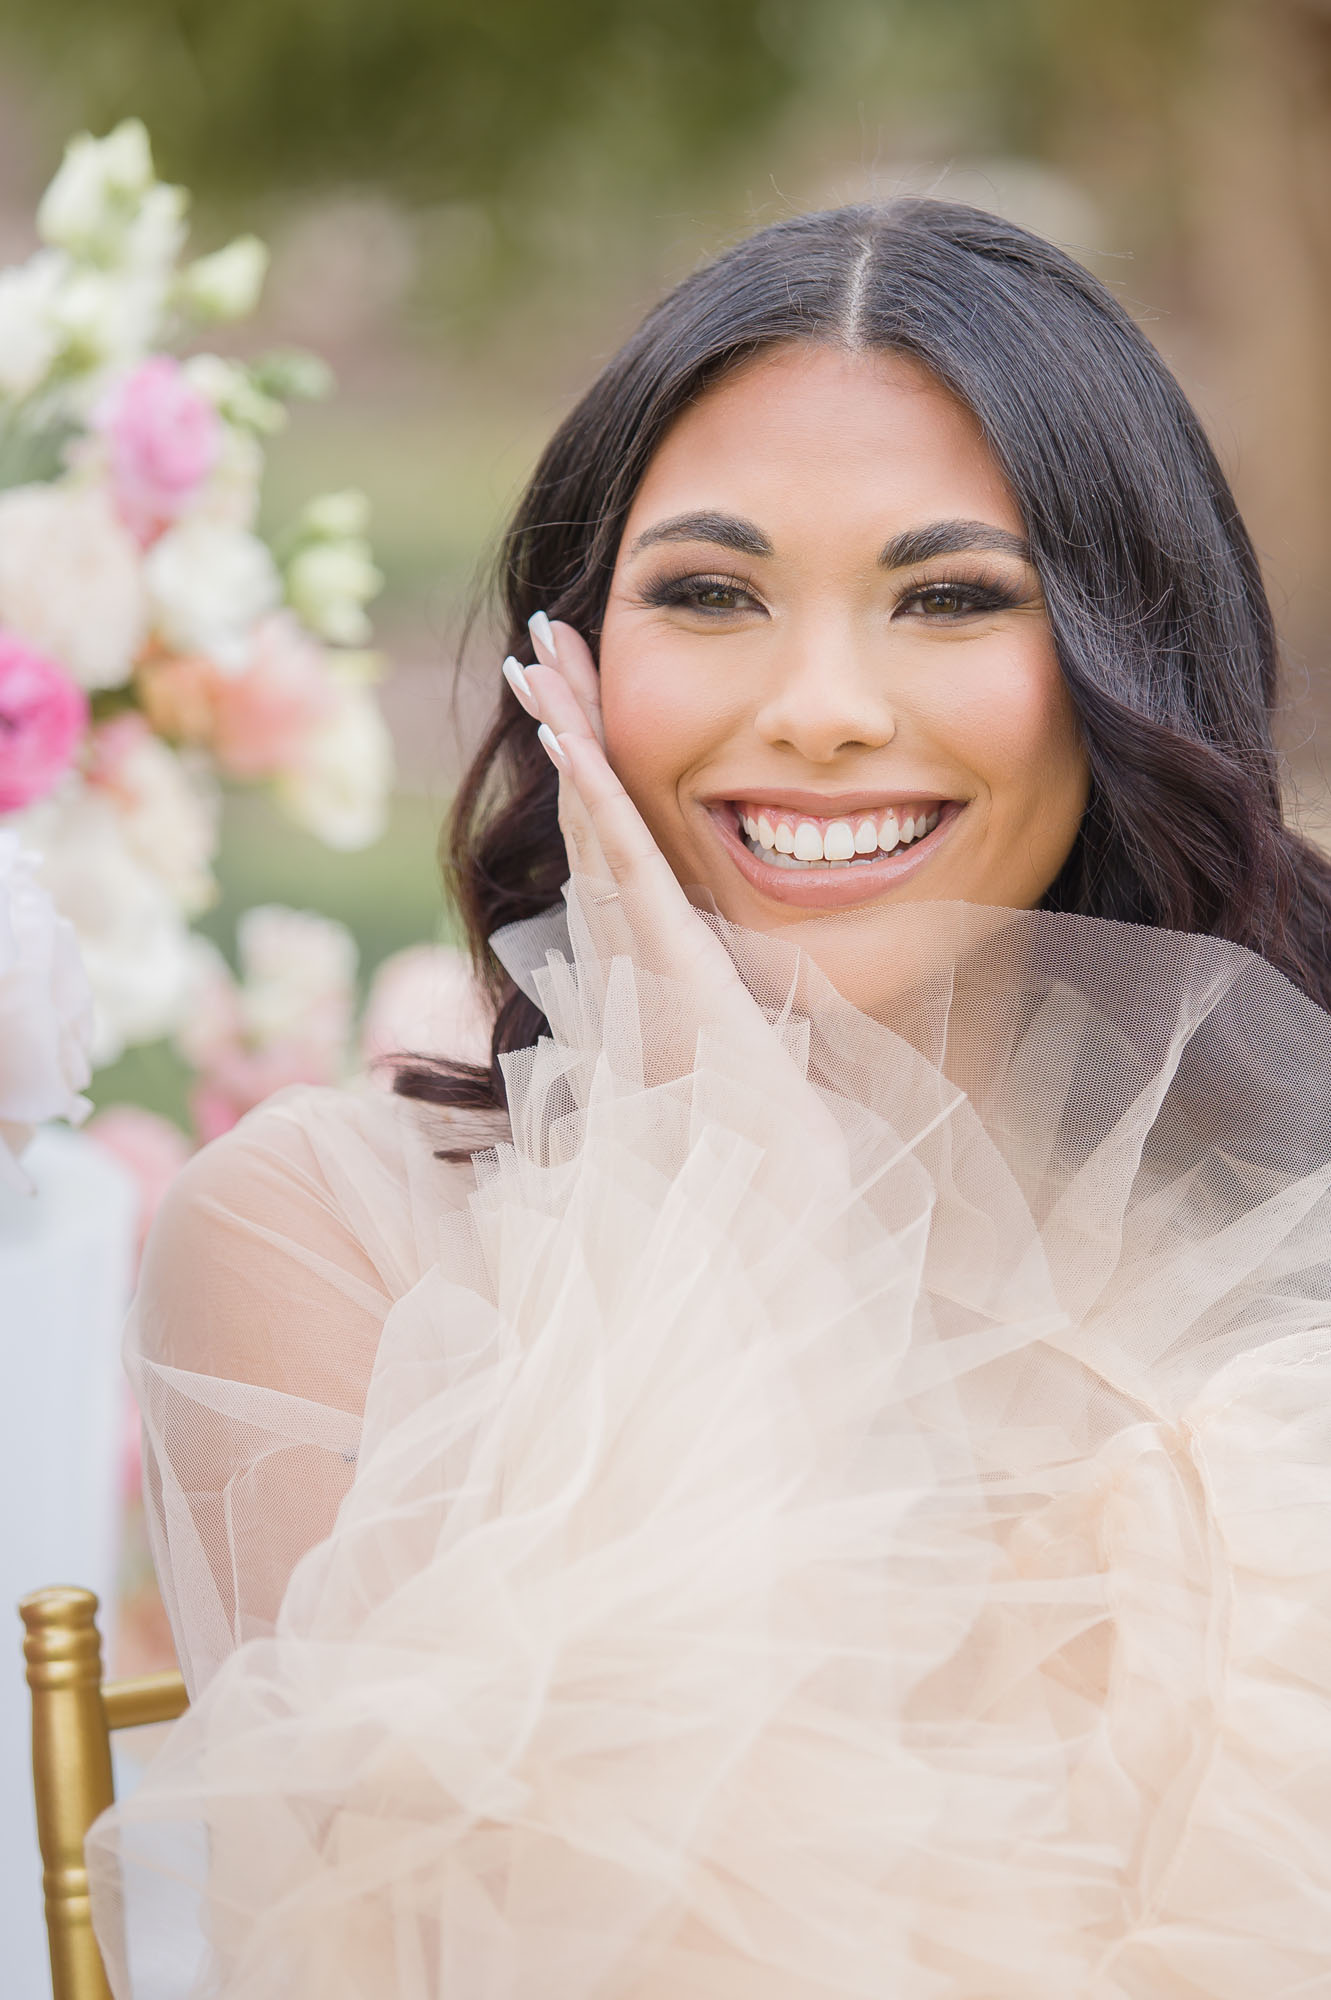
[[73, 1714]]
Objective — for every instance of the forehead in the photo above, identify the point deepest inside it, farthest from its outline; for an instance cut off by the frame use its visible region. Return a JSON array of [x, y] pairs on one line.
[[809, 435]]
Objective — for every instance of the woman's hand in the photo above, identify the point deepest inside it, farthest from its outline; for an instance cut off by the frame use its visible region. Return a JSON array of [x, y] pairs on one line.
[[637, 905], [628, 897]]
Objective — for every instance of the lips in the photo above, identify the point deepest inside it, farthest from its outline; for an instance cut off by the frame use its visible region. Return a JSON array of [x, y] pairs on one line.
[[790, 871]]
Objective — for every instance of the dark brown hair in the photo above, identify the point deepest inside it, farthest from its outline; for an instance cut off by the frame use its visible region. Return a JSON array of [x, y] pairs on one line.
[[1154, 594]]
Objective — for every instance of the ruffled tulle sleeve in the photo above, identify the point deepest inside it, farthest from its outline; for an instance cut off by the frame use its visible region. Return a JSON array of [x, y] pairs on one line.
[[838, 1511], [267, 1276]]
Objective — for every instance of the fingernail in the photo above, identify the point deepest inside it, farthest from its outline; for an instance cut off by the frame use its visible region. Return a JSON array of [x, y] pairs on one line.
[[543, 633], [550, 743], [515, 675]]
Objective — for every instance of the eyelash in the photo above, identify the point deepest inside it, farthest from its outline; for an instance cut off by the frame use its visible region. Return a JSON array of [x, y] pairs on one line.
[[977, 593]]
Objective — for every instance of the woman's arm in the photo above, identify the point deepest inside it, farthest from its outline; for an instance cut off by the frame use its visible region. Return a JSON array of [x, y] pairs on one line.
[[268, 1275]]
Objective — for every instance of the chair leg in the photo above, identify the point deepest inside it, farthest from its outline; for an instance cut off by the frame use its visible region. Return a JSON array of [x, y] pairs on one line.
[[71, 1759]]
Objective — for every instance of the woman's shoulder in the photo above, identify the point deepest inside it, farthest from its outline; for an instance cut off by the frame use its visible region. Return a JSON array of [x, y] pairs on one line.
[[321, 1203]]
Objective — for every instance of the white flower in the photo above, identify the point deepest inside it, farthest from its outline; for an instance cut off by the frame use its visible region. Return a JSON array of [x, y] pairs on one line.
[[227, 284], [45, 1009], [169, 808], [30, 338], [299, 974], [99, 180], [106, 319], [130, 930], [232, 392], [339, 789], [208, 585], [71, 583], [155, 235], [336, 517], [329, 584], [231, 494], [210, 1027]]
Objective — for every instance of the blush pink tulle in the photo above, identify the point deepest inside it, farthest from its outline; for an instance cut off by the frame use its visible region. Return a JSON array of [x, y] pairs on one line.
[[163, 440], [833, 1505], [43, 718]]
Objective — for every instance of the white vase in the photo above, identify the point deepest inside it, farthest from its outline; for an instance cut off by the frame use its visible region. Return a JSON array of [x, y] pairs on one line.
[[66, 1258]]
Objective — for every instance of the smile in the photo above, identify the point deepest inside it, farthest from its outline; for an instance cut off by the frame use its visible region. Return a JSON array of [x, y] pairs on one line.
[[786, 839], [824, 860]]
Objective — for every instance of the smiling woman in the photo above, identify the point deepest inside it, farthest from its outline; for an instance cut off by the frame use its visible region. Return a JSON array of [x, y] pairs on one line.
[[983, 544], [873, 675], [808, 1475]]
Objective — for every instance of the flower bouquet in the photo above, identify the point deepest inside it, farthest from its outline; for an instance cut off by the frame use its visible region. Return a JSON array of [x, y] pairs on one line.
[[152, 642]]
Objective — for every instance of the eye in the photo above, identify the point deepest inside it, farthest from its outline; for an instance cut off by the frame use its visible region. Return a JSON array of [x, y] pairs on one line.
[[943, 600], [709, 596]]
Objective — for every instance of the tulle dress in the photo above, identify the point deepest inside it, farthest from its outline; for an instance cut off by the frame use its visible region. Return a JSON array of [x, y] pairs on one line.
[[835, 1501]]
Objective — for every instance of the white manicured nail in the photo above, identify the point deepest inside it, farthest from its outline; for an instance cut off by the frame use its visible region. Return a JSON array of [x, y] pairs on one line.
[[550, 743], [516, 676], [543, 633]]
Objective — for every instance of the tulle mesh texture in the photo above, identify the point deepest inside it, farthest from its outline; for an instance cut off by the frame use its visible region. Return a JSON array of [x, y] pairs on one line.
[[836, 1502]]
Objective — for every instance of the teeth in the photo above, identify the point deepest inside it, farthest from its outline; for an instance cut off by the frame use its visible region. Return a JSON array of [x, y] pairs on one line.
[[803, 844]]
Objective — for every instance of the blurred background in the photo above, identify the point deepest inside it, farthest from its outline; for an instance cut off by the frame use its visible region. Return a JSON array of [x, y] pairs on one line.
[[470, 205]]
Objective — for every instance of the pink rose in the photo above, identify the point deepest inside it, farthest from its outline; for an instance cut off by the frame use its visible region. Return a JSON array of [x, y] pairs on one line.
[[264, 716], [43, 715], [163, 439]]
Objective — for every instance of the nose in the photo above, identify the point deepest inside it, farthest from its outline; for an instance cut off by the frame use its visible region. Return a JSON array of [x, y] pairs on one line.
[[825, 696]]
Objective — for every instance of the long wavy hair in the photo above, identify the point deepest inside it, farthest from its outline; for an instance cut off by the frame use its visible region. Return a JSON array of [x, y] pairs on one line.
[[1154, 594]]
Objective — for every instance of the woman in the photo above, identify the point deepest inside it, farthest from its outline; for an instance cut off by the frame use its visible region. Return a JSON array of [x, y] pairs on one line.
[[832, 1499]]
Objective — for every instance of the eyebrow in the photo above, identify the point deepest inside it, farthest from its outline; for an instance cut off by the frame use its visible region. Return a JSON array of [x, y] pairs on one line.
[[950, 538], [727, 531], [913, 545]]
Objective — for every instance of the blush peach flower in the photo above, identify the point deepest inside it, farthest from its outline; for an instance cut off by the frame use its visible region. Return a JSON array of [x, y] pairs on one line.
[[43, 716], [162, 440], [264, 716], [177, 693]]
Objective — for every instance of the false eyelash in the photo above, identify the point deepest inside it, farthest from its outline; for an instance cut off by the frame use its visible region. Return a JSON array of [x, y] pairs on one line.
[[978, 593], [665, 593]]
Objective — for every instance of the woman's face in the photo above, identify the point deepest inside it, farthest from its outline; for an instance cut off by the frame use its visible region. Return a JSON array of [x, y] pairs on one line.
[[827, 676]]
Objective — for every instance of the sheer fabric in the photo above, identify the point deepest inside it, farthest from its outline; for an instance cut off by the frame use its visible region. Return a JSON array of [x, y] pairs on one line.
[[835, 1503]]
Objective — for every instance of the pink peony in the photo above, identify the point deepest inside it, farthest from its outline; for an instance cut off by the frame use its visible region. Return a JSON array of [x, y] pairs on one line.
[[163, 439], [43, 715], [425, 1000], [239, 1081], [264, 716], [152, 1148]]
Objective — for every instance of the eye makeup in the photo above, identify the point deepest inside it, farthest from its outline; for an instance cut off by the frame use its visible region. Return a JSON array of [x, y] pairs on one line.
[[939, 599]]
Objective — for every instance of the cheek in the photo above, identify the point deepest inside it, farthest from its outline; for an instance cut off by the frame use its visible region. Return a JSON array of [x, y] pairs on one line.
[[1014, 726], [662, 716]]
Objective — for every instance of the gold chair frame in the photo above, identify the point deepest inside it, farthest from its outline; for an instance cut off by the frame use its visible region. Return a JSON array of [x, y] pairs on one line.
[[73, 1714]]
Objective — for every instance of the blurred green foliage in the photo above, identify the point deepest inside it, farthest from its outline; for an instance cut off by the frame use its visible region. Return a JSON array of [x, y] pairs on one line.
[[552, 100]]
